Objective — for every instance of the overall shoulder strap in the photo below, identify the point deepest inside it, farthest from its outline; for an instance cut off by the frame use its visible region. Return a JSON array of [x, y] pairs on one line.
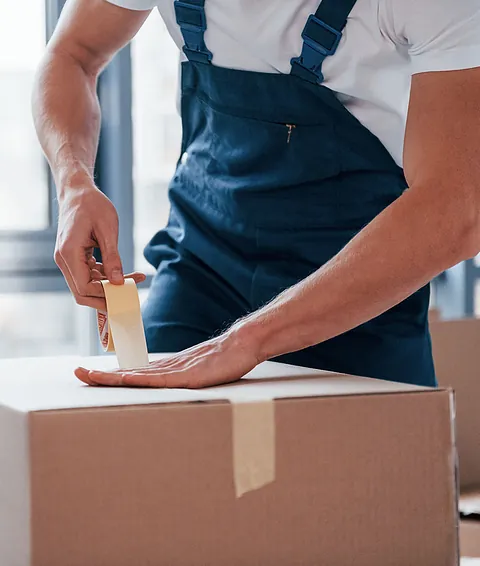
[[321, 36], [190, 16]]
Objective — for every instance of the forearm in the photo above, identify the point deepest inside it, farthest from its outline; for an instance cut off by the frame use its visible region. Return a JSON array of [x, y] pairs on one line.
[[66, 113], [412, 241]]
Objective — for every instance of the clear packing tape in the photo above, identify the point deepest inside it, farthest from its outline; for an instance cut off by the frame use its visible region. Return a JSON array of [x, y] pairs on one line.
[[121, 331]]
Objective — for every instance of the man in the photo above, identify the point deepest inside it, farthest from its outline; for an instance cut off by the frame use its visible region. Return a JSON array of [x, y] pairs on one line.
[[291, 234]]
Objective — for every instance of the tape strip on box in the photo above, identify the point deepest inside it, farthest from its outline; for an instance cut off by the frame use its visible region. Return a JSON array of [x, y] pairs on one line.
[[121, 331], [253, 445]]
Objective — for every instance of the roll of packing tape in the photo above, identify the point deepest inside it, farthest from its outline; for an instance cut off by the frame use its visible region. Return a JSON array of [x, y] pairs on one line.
[[121, 327]]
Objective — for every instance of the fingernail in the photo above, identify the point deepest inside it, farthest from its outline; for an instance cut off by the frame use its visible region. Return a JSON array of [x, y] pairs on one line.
[[117, 275]]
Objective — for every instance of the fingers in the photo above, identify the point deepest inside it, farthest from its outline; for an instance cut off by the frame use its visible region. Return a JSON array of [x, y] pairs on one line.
[[94, 298], [98, 272], [95, 275], [93, 294], [90, 377], [82, 375], [108, 241], [135, 378], [214, 362], [154, 375], [74, 265], [137, 276], [93, 264]]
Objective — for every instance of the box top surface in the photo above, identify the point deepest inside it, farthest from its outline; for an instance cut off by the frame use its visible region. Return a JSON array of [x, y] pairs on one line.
[[40, 384]]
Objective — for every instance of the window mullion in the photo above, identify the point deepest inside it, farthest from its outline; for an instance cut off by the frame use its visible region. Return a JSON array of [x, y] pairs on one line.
[[115, 154]]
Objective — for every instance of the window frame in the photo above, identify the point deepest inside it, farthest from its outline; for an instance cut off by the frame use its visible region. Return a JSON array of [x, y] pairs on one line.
[[26, 256], [114, 165], [115, 151]]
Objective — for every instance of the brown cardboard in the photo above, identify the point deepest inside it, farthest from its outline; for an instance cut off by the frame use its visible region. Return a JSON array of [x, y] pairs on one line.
[[470, 537], [122, 477], [434, 314], [456, 349], [470, 524]]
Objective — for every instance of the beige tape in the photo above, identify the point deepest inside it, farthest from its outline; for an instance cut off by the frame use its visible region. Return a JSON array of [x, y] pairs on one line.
[[253, 445], [121, 327]]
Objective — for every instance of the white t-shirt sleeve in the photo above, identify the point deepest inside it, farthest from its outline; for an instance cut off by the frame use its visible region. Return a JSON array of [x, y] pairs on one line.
[[440, 35], [135, 4]]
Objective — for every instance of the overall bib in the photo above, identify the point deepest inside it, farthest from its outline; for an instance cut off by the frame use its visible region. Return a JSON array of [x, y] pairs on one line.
[[276, 176]]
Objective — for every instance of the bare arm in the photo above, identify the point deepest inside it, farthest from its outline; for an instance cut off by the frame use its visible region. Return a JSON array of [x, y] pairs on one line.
[[431, 227], [67, 118]]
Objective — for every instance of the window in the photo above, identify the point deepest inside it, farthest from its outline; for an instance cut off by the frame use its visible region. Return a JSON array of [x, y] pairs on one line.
[[156, 129], [37, 315], [37, 324], [24, 193]]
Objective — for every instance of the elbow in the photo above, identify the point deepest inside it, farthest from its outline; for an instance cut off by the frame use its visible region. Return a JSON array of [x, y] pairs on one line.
[[470, 241], [67, 57], [466, 243], [66, 53], [456, 217]]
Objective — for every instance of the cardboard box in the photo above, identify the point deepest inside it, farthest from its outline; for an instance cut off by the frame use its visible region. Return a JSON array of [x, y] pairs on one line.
[[456, 350], [434, 314], [470, 524], [138, 477]]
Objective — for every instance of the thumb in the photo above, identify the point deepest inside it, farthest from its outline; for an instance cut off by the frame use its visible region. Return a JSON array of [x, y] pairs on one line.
[[112, 263]]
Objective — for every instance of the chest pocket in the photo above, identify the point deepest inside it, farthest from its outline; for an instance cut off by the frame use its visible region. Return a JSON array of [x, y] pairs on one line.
[[262, 155]]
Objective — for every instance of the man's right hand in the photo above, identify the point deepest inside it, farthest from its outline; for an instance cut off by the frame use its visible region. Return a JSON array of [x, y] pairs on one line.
[[67, 118], [88, 220]]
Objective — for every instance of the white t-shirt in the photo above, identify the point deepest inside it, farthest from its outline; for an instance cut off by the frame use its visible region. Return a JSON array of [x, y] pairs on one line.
[[384, 43]]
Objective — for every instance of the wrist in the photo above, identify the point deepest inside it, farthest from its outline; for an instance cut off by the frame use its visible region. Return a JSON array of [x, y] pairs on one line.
[[72, 180], [283, 326], [252, 335]]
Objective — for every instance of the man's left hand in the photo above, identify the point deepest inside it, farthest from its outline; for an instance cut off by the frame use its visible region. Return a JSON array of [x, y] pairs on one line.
[[221, 360]]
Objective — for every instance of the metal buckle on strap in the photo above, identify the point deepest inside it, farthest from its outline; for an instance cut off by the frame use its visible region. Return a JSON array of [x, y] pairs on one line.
[[314, 33], [190, 17]]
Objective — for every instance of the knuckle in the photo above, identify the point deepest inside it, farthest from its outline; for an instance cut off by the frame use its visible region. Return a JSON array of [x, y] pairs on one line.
[[57, 257], [65, 249], [130, 379], [114, 216], [82, 297], [82, 290], [111, 256]]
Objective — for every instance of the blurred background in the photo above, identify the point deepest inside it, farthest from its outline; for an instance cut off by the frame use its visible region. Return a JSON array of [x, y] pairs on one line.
[[140, 143]]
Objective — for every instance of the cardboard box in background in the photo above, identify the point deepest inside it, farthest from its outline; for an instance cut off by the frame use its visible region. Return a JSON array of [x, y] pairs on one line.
[[434, 314], [470, 524], [122, 477], [456, 349]]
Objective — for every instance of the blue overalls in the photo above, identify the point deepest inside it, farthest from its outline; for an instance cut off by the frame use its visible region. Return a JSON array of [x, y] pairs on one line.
[[276, 176]]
